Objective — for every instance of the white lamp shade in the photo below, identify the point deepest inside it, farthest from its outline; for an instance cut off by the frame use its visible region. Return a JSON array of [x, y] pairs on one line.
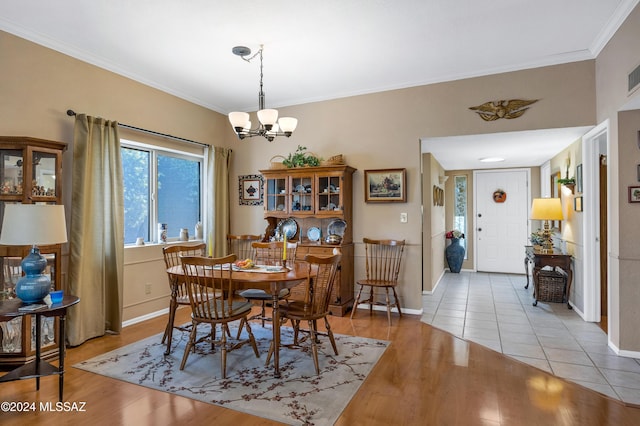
[[33, 224], [546, 209], [288, 124], [239, 119], [268, 116]]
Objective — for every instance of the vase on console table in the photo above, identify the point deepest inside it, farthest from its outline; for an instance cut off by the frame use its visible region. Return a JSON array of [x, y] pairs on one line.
[[455, 255]]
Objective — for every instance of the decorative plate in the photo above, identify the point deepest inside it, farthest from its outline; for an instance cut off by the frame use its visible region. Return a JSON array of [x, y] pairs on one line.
[[331, 206], [336, 227], [301, 188], [313, 234], [288, 226]]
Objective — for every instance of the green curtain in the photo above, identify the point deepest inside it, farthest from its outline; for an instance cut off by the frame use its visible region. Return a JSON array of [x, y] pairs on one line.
[[217, 209], [96, 237]]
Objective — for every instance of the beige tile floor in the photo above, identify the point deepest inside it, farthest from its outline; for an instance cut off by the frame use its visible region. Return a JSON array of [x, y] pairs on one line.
[[495, 310]]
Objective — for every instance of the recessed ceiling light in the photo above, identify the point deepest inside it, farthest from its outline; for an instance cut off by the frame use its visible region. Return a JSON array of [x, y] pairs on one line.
[[491, 159]]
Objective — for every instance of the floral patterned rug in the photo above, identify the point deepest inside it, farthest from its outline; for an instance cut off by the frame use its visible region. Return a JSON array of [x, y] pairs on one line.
[[299, 396]]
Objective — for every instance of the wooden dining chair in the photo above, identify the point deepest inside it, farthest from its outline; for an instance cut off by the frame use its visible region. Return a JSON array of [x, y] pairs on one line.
[[179, 294], [220, 310], [382, 266], [268, 253], [315, 306], [241, 245]]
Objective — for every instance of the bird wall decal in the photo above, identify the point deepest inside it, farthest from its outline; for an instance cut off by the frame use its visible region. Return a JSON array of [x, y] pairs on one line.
[[494, 110]]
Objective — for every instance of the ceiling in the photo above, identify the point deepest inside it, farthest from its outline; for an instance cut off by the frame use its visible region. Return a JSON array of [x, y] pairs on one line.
[[313, 50]]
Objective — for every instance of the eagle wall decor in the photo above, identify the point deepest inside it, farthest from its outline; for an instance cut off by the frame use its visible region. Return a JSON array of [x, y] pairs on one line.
[[493, 110]]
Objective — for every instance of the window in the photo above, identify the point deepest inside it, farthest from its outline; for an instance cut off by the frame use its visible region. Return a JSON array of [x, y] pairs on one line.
[[460, 208], [160, 186]]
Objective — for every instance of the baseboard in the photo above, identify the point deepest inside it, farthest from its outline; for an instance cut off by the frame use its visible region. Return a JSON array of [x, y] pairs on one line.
[[151, 315], [395, 310]]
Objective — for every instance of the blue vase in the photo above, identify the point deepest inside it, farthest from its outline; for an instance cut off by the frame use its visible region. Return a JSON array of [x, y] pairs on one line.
[[455, 255], [33, 286]]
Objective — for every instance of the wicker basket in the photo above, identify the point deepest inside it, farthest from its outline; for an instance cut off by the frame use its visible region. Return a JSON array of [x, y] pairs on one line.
[[276, 162], [336, 160], [551, 286]]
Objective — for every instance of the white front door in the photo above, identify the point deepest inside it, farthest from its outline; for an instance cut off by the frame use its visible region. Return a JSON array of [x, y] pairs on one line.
[[501, 227]]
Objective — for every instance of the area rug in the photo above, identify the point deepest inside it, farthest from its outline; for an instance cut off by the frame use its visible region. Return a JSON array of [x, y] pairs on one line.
[[299, 396]]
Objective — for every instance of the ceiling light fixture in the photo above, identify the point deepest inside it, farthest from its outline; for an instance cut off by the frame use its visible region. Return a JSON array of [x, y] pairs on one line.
[[269, 126], [491, 159]]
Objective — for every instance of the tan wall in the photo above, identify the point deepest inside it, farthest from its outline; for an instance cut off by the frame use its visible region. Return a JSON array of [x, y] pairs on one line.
[[617, 59], [38, 85], [571, 238]]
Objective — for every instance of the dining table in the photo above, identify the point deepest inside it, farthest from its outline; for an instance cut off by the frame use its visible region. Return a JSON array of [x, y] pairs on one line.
[[265, 278]]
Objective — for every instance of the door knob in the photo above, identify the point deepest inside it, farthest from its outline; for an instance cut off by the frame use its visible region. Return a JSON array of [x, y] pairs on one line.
[[479, 229], [479, 214]]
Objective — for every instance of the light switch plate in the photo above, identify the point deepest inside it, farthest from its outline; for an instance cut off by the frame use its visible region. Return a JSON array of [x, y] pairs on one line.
[[404, 218]]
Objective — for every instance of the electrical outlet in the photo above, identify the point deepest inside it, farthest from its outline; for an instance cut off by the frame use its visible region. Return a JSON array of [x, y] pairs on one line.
[[147, 288], [404, 218]]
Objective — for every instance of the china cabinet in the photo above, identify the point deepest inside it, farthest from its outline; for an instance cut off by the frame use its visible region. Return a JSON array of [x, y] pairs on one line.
[[309, 203], [30, 172]]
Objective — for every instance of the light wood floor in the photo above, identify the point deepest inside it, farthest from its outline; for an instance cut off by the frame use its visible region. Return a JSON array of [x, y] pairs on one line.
[[426, 377]]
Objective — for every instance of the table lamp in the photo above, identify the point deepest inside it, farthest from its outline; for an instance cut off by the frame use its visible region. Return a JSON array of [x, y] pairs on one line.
[[33, 224], [546, 209]]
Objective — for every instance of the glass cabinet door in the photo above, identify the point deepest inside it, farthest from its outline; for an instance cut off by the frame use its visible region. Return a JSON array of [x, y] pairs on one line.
[[43, 170], [302, 194], [329, 199], [11, 162], [276, 195]]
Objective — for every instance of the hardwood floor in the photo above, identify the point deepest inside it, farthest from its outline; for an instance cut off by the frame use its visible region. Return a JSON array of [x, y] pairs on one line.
[[426, 377]]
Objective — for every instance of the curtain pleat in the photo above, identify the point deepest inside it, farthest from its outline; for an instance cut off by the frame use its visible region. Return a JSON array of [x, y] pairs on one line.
[[96, 237], [218, 209]]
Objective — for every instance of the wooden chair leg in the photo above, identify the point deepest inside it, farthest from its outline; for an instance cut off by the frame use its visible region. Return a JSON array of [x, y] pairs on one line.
[[190, 344], [240, 326], [271, 348], [357, 301], [314, 346], [371, 299], [388, 300], [252, 339], [168, 331], [330, 334], [223, 355], [395, 296]]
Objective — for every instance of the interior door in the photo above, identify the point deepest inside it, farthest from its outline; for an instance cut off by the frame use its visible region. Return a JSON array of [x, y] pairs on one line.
[[501, 225]]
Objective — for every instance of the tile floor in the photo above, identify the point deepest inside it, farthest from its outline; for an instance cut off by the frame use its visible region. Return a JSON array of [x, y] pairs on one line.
[[495, 310]]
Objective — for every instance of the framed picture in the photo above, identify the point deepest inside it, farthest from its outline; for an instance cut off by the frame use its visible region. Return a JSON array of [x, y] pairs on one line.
[[638, 172], [577, 204], [579, 178], [385, 186], [634, 194], [250, 189]]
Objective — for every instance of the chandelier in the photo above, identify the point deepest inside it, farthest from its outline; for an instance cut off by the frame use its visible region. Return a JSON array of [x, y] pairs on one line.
[[269, 126]]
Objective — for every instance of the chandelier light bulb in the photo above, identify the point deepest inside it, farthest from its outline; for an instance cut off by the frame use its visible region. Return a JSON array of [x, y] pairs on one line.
[[268, 117], [288, 125], [239, 121]]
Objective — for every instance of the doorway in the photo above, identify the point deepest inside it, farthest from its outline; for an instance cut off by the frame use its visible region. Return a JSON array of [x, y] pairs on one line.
[[595, 223], [501, 219], [604, 286]]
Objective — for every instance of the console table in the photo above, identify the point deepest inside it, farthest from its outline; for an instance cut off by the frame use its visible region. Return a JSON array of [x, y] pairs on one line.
[[553, 260], [39, 368]]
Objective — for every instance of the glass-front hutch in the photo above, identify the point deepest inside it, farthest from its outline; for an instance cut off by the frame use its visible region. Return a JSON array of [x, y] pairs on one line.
[[30, 172], [315, 200]]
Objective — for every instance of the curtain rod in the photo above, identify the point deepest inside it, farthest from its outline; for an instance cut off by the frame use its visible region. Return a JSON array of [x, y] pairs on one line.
[[72, 113]]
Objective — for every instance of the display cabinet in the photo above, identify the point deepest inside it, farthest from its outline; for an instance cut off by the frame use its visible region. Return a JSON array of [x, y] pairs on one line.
[[30, 172], [312, 200]]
